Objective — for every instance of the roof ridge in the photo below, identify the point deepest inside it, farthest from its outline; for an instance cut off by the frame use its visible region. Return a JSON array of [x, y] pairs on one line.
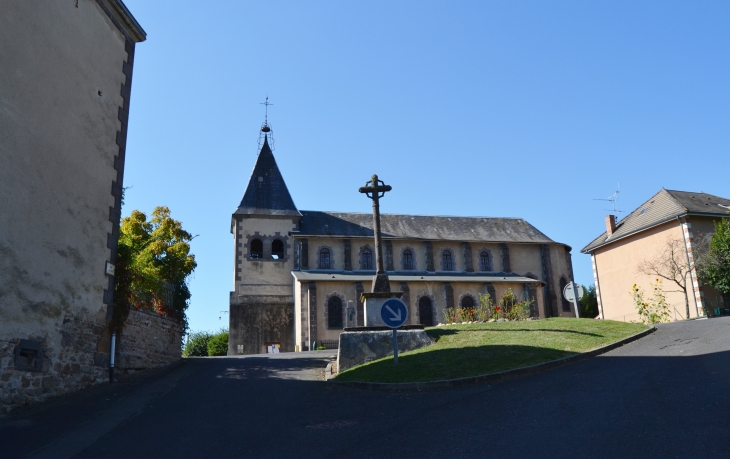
[[409, 215], [675, 199]]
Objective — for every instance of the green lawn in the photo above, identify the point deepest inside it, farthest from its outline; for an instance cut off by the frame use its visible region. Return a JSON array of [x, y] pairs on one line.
[[477, 349]]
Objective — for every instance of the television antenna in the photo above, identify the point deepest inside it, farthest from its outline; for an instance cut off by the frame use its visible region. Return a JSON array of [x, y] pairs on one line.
[[612, 199]]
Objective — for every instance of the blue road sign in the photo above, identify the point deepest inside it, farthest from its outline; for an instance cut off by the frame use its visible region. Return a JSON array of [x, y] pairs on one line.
[[394, 313]]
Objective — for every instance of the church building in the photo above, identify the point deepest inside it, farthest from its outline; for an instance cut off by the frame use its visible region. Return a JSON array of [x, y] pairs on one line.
[[295, 270]]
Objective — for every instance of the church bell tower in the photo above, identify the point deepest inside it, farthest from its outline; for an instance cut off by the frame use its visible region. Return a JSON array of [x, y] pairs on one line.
[[261, 310]]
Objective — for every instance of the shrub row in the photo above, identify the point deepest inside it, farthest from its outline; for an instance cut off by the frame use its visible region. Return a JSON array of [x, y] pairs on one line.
[[203, 343]]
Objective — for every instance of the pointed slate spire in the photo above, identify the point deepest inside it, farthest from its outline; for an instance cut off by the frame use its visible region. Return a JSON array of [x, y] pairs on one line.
[[266, 193]]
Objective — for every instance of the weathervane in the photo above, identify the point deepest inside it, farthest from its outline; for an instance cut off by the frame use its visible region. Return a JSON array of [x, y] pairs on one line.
[[266, 132], [266, 115]]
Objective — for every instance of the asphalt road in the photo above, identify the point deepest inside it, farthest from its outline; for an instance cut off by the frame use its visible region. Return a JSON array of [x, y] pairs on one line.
[[666, 395]]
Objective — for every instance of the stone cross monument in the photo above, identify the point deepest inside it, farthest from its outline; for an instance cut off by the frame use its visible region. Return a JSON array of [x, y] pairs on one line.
[[376, 189]]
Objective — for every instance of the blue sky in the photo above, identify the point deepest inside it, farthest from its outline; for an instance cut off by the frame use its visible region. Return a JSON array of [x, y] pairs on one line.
[[511, 109]]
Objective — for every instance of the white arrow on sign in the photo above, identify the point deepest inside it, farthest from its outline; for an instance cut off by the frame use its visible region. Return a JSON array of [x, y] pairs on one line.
[[396, 317]]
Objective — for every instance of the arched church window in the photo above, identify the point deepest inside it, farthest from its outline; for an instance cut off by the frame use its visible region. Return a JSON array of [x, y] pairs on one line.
[[324, 259], [425, 311], [257, 249], [484, 264], [277, 249], [334, 312], [407, 259], [467, 302], [367, 259], [447, 261], [566, 304]]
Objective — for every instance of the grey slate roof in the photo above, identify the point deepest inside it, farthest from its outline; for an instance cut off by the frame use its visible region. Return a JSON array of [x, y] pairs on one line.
[[660, 208], [269, 196], [394, 226], [421, 277]]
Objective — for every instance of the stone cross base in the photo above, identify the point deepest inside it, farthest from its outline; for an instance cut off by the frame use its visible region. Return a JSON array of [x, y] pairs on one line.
[[358, 347], [372, 304]]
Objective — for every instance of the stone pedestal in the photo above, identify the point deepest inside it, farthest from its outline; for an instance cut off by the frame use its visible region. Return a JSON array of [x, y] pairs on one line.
[[358, 347], [372, 304]]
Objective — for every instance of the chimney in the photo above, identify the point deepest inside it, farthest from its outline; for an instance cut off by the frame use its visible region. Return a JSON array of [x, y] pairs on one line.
[[610, 224]]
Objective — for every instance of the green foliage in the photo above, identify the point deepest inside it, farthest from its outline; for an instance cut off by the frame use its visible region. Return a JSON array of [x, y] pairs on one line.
[[320, 348], [485, 310], [153, 265], [510, 308], [197, 344], [654, 310], [589, 303], [715, 269], [218, 344], [204, 343]]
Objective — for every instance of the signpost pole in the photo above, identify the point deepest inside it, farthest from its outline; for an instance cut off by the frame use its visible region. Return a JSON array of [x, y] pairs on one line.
[[395, 346], [575, 300]]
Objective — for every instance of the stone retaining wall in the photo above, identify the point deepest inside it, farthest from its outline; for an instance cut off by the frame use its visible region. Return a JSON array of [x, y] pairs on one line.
[[148, 340], [60, 361], [358, 347], [69, 359]]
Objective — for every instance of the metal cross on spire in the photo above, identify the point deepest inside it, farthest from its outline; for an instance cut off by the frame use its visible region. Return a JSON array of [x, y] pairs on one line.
[[266, 115], [376, 189]]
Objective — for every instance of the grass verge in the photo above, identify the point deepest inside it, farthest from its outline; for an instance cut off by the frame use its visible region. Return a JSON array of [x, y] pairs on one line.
[[467, 350]]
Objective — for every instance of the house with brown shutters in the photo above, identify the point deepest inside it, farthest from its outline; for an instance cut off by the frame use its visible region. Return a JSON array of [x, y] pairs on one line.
[[669, 215], [296, 271]]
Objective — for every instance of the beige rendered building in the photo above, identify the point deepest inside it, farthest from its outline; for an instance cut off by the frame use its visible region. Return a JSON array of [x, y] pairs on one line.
[[296, 271], [65, 85], [644, 234]]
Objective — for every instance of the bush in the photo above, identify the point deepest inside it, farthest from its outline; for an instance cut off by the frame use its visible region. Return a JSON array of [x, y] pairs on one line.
[[197, 344], [218, 344]]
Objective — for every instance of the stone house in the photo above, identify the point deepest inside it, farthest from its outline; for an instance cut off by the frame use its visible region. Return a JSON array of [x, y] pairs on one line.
[[296, 271], [642, 235], [65, 90]]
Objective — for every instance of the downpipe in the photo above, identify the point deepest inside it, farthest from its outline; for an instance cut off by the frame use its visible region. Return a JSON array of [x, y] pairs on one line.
[[111, 359]]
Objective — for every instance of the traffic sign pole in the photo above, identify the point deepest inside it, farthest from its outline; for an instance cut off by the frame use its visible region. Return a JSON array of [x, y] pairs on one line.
[[575, 300], [395, 346], [394, 314]]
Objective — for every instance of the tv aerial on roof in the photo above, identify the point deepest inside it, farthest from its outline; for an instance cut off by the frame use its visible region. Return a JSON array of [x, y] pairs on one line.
[[612, 199]]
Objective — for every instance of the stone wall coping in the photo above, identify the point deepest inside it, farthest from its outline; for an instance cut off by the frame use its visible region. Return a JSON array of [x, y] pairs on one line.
[[493, 377]]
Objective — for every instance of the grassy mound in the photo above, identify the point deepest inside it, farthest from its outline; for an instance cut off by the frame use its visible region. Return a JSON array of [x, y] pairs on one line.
[[477, 349]]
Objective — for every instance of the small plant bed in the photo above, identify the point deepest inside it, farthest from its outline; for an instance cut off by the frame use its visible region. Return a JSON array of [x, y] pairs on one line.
[[465, 350]]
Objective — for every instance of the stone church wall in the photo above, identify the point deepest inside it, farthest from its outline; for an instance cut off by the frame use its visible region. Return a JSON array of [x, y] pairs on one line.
[[253, 325]]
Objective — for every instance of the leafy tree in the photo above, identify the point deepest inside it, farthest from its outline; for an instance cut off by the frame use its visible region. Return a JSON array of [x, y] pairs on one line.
[[197, 344], [589, 303], [218, 344], [715, 265], [153, 265]]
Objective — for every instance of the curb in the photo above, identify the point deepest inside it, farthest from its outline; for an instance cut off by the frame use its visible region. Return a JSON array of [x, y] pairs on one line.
[[492, 377]]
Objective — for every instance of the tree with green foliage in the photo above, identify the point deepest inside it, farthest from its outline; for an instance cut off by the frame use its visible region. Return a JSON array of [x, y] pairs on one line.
[[589, 303], [218, 344], [197, 344], [153, 265], [715, 264]]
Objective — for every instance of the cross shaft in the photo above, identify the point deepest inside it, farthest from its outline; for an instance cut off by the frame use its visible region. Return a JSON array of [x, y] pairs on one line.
[[376, 189]]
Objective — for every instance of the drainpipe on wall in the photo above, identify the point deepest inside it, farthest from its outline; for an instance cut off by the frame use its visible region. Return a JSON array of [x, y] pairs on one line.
[[111, 358]]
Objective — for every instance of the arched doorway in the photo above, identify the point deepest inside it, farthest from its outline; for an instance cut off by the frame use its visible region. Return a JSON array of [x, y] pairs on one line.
[[425, 311]]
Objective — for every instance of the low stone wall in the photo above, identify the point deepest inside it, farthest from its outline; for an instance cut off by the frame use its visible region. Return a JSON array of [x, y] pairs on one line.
[[358, 347], [34, 368], [148, 340]]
